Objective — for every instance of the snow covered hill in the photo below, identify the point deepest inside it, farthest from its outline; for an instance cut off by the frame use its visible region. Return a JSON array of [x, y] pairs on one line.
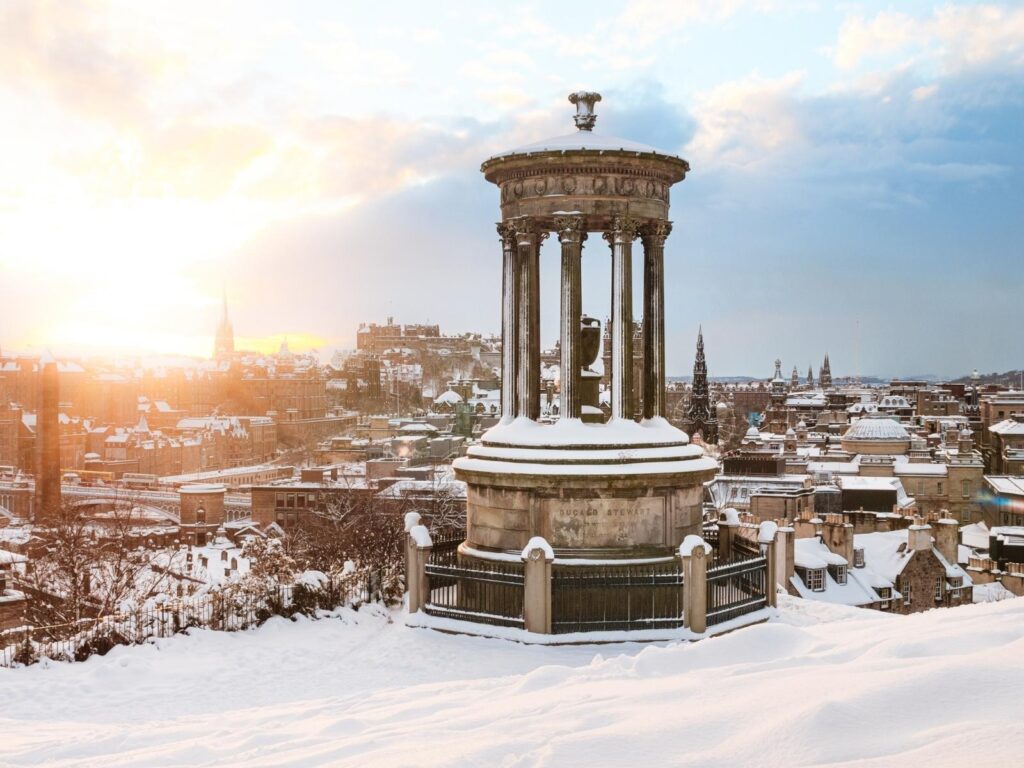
[[822, 685]]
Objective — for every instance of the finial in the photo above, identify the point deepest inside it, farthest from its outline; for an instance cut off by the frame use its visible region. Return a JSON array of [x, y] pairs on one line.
[[585, 101]]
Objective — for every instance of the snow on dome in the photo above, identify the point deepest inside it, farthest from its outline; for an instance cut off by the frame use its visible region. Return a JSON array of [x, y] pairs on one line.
[[876, 426], [451, 397]]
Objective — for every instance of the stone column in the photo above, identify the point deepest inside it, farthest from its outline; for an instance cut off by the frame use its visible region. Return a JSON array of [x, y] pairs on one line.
[[528, 240], [571, 234], [621, 237], [509, 340], [537, 558], [653, 237]]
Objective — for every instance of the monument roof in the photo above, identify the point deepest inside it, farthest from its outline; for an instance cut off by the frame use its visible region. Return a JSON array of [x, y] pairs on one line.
[[876, 427]]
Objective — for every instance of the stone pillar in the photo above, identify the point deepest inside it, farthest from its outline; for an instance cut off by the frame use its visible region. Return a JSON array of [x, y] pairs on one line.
[[509, 339], [412, 519], [419, 583], [772, 547], [693, 552], [789, 547], [653, 237], [537, 559], [726, 536], [528, 240], [571, 234], [621, 237]]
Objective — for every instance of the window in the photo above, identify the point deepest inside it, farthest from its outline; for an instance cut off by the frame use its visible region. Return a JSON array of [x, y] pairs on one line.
[[939, 488], [955, 582], [816, 579], [965, 489], [838, 573], [200, 515], [278, 499], [858, 558], [939, 581], [291, 501], [907, 590]]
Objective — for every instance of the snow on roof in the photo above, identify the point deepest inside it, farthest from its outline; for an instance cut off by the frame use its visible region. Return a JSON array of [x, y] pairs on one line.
[[876, 427], [1008, 486], [582, 140], [1008, 427], [450, 397], [812, 554], [910, 468]]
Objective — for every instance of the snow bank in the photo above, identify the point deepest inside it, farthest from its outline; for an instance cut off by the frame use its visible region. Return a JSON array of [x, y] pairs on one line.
[[822, 686]]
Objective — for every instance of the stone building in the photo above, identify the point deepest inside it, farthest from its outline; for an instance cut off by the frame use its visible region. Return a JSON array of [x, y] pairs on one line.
[[902, 571]]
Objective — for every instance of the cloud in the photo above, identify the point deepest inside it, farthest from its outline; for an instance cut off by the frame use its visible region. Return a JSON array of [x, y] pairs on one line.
[[953, 38]]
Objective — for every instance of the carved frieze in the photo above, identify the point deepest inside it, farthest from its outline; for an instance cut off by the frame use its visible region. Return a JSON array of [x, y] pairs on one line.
[[621, 185]]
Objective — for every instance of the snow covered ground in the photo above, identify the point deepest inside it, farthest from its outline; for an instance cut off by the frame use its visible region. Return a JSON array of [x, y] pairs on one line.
[[823, 685]]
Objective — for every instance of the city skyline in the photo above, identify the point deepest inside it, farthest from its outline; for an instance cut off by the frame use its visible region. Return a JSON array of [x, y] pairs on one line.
[[849, 167]]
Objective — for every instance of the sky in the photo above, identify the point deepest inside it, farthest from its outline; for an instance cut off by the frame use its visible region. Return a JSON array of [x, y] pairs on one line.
[[855, 185]]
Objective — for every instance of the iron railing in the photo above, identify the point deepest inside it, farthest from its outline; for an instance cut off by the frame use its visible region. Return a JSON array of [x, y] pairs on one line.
[[486, 592], [228, 611], [736, 588], [613, 598]]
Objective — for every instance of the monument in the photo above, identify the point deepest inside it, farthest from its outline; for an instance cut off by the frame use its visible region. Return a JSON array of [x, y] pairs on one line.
[[596, 491]]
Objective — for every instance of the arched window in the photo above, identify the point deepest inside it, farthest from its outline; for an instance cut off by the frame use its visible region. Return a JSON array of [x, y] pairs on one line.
[[200, 515]]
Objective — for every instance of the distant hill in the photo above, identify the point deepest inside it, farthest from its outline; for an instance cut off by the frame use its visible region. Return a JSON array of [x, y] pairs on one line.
[[1008, 379]]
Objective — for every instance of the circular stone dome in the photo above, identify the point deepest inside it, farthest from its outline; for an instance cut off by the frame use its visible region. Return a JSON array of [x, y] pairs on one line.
[[876, 433]]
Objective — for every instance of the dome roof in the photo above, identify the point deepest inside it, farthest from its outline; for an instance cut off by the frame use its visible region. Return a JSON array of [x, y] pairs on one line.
[[876, 426], [583, 140]]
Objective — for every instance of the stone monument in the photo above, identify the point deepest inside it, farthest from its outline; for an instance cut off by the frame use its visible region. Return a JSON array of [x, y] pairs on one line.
[[610, 491]]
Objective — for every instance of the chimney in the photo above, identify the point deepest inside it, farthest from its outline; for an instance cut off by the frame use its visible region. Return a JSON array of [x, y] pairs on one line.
[[947, 538], [838, 537], [919, 536]]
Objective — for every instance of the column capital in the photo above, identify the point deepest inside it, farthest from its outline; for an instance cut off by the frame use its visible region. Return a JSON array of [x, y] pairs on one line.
[[623, 230], [528, 231], [507, 234], [571, 229], [655, 232]]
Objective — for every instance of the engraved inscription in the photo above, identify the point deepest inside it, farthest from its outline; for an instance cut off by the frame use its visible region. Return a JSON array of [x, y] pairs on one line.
[[605, 522]]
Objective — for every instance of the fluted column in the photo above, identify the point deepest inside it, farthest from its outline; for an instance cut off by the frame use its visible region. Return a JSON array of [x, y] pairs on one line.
[[528, 239], [509, 302], [653, 237], [620, 237], [571, 234]]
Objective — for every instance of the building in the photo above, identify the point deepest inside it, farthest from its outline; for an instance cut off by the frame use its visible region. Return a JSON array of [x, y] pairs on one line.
[[903, 571]]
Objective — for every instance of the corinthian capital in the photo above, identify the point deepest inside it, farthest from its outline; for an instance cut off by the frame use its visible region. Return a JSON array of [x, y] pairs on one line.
[[528, 231], [622, 230], [507, 234], [655, 232], [571, 229]]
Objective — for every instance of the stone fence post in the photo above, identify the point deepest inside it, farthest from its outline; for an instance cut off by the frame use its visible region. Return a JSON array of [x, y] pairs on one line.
[[537, 558], [694, 551], [727, 528], [768, 539], [419, 545], [412, 519], [789, 562]]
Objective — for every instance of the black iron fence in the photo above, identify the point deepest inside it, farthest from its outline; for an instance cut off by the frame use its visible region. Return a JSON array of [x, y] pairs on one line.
[[228, 611], [487, 592], [736, 588], [613, 598]]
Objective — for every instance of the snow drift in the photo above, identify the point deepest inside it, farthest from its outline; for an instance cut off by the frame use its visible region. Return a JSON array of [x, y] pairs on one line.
[[822, 686]]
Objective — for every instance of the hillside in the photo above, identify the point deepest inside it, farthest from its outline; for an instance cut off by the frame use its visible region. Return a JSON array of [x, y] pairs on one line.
[[819, 686]]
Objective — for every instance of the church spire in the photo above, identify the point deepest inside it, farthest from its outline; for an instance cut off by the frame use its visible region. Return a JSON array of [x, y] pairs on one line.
[[699, 416]]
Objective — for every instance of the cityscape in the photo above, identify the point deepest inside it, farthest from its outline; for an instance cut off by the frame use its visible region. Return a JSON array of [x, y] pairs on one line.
[[380, 429]]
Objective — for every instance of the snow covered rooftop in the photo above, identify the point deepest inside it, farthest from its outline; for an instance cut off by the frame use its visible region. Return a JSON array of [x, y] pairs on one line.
[[583, 140], [876, 427]]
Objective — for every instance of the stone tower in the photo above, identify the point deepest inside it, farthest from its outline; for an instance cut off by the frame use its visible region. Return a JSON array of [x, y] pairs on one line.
[[699, 415], [47, 498], [825, 375], [810, 377], [224, 345]]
